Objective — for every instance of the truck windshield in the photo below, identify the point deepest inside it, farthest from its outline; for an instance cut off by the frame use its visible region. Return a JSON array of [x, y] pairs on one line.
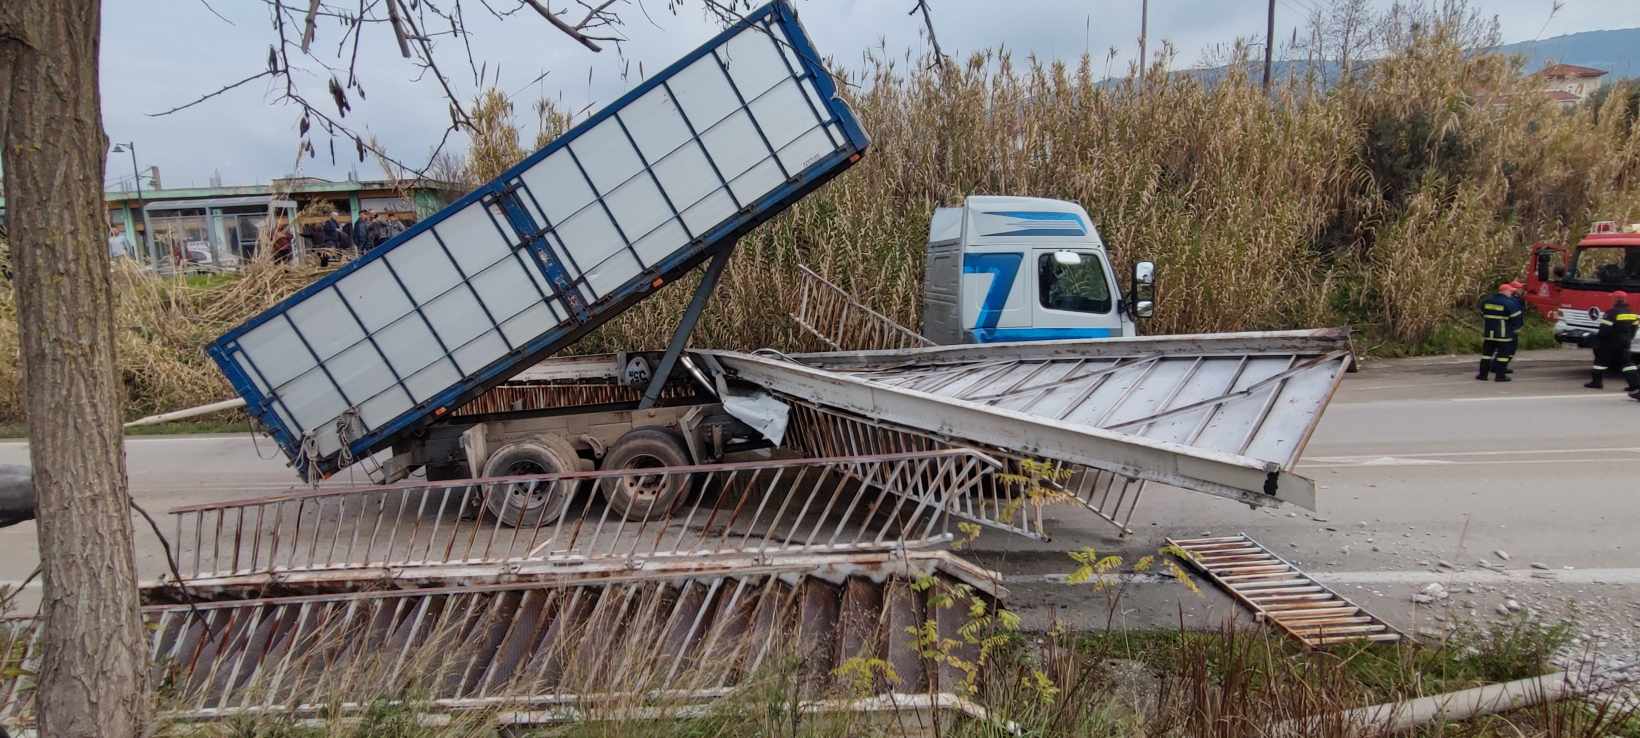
[[1611, 265], [1079, 287]]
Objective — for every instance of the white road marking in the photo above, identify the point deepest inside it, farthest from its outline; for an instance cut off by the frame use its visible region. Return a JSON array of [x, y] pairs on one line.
[[1400, 461], [1583, 396], [1515, 452], [1481, 576], [1358, 404], [1475, 458], [1405, 576], [1495, 462]]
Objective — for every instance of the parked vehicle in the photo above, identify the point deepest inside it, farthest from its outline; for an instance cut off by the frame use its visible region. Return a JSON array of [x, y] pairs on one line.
[[1573, 286], [1025, 269]]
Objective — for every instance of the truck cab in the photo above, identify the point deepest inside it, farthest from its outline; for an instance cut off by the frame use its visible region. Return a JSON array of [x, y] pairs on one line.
[[1573, 286], [1025, 269]]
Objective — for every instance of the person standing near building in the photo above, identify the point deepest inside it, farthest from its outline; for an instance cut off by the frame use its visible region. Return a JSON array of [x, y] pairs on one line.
[[1501, 319], [361, 231], [119, 247], [1613, 344]]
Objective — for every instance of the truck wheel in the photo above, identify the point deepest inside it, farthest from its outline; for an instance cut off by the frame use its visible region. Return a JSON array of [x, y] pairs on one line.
[[640, 497], [521, 505]]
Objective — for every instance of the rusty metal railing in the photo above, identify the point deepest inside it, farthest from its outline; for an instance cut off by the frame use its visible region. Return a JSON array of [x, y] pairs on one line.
[[640, 637], [1010, 500], [554, 395], [756, 509], [843, 323]]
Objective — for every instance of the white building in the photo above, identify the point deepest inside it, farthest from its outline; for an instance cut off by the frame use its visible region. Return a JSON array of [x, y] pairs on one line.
[[1569, 84]]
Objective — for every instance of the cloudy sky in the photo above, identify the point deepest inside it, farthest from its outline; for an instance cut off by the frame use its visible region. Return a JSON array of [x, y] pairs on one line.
[[157, 55]]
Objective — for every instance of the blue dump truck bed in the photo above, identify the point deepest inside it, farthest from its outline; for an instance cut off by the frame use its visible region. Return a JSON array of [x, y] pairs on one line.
[[626, 202]]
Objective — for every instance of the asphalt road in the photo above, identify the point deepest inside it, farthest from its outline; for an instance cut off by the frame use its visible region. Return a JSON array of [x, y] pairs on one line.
[[1417, 464]]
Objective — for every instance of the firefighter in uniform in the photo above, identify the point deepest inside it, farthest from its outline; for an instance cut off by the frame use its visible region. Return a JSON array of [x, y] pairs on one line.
[[1501, 318], [1612, 344]]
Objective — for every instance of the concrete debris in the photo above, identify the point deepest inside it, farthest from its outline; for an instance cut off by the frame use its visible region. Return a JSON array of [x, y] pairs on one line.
[[1540, 566], [1512, 606], [1502, 554]]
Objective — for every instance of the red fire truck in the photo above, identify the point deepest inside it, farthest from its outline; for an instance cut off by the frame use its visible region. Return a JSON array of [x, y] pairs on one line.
[[1573, 286]]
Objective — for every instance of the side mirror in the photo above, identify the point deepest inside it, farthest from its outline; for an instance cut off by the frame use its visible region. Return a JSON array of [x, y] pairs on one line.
[[1142, 290], [1543, 259]]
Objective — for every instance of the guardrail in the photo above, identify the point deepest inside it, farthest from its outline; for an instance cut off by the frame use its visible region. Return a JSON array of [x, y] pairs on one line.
[[759, 508]]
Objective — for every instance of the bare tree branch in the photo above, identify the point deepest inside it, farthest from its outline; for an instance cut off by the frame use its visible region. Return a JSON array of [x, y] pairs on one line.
[[209, 95], [928, 22], [559, 23], [430, 63], [310, 25], [223, 18], [398, 27]]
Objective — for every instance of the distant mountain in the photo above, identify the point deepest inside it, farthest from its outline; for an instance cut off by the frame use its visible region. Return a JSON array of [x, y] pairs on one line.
[[1616, 51]]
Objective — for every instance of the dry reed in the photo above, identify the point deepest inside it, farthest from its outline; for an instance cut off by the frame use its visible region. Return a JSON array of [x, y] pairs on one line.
[[1387, 202]]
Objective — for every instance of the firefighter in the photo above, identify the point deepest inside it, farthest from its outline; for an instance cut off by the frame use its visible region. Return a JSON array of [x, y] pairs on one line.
[[1501, 320], [1612, 344]]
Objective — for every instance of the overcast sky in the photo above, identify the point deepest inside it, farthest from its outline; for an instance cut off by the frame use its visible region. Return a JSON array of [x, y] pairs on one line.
[[157, 54]]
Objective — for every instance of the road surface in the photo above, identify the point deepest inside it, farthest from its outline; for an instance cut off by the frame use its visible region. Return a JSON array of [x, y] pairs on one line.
[[1417, 464]]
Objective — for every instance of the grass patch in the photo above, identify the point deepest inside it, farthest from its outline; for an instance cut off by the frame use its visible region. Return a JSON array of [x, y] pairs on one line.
[[1460, 333], [207, 280], [1473, 656], [177, 428]]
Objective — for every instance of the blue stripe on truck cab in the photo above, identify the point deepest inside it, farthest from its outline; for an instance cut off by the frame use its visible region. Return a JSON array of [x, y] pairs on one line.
[[1041, 223], [995, 335], [1002, 268]]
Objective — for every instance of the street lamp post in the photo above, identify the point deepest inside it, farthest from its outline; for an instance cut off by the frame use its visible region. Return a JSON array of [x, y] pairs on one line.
[[120, 148], [136, 178]]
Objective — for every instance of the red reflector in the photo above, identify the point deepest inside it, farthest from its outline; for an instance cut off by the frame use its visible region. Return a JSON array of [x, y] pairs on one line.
[[657, 283]]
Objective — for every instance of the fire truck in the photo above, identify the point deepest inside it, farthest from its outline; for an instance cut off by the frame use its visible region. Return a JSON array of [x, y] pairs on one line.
[[1573, 286]]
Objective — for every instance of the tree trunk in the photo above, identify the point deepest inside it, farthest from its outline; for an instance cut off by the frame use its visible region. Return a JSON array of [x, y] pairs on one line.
[[93, 672]]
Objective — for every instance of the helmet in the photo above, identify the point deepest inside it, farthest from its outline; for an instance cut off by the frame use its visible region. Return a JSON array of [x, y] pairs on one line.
[[1620, 295]]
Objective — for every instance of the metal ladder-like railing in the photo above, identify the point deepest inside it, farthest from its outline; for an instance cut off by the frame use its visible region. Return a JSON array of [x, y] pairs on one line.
[[1281, 594]]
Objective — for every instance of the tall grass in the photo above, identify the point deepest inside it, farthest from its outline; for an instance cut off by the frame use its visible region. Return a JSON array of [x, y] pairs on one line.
[[1387, 202]]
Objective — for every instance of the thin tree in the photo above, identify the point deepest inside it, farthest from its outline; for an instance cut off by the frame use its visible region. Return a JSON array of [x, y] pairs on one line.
[[93, 677]]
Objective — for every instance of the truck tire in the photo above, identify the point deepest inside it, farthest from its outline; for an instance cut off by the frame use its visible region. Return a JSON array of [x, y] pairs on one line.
[[645, 497], [520, 505]]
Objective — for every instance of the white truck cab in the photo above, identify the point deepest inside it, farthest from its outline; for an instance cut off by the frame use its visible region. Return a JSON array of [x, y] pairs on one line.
[[1025, 269]]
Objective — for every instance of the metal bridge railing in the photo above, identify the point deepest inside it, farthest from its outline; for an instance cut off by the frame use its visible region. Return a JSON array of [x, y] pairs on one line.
[[842, 323], [746, 509]]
